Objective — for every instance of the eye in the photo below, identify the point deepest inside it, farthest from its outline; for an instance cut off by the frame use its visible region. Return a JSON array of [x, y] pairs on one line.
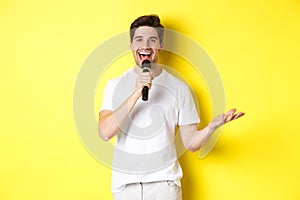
[[138, 39], [154, 40]]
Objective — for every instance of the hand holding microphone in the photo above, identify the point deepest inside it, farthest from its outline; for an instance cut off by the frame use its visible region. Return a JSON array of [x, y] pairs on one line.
[[144, 79]]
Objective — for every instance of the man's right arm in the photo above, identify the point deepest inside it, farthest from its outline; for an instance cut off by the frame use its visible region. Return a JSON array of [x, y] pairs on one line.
[[110, 121]]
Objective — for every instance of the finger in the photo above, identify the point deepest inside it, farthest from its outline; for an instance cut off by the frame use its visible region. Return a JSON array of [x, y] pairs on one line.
[[238, 115], [146, 85], [228, 118], [231, 111], [146, 74], [145, 78]]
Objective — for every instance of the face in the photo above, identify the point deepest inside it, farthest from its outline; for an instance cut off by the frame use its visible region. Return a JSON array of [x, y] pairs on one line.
[[145, 45]]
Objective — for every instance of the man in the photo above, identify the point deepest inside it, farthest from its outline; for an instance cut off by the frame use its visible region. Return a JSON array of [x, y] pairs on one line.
[[145, 165]]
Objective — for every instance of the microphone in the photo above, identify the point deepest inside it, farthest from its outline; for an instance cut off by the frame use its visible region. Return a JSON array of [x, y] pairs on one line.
[[146, 67]]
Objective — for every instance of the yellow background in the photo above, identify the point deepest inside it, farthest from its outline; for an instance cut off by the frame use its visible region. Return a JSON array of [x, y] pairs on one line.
[[254, 44]]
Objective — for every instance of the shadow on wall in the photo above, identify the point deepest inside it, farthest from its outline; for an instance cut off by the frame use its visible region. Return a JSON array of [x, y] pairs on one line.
[[229, 150], [193, 186], [189, 183]]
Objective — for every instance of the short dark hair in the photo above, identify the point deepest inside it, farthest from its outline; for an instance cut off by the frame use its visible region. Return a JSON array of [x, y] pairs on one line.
[[148, 20]]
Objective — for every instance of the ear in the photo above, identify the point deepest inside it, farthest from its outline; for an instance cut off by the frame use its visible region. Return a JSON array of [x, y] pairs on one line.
[[130, 46], [161, 46]]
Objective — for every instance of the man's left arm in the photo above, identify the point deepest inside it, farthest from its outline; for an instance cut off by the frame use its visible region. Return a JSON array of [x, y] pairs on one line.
[[193, 139]]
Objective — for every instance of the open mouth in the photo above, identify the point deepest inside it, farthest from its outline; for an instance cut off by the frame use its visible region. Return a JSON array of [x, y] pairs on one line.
[[144, 55]]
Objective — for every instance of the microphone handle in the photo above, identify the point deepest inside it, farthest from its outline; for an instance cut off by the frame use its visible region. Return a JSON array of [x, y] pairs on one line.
[[145, 93], [146, 66]]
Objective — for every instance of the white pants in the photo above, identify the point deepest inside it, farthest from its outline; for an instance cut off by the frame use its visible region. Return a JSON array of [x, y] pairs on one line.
[[162, 190]]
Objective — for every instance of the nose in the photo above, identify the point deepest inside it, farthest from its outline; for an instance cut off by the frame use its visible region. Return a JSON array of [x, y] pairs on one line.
[[146, 44]]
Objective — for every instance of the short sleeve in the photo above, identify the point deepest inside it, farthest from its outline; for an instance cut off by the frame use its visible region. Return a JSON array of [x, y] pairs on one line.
[[187, 110], [108, 95]]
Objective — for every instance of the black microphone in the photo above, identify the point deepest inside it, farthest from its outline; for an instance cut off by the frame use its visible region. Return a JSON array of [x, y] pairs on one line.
[[146, 67]]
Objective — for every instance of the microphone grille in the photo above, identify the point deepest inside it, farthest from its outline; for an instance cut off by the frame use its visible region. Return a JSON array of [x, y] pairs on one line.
[[146, 64]]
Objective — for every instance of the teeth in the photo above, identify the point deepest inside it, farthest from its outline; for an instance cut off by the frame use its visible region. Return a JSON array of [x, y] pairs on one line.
[[144, 53]]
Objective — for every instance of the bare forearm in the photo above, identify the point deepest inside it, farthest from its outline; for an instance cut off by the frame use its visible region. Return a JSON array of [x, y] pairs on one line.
[[193, 139], [111, 121], [201, 137]]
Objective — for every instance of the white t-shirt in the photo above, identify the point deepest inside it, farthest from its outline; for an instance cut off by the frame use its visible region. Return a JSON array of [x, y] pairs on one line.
[[144, 149]]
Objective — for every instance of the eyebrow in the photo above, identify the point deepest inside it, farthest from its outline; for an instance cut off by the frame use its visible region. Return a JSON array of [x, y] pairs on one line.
[[139, 36], [154, 37]]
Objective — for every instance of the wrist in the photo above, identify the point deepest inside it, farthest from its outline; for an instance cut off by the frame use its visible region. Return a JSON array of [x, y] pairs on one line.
[[213, 126], [135, 96]]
